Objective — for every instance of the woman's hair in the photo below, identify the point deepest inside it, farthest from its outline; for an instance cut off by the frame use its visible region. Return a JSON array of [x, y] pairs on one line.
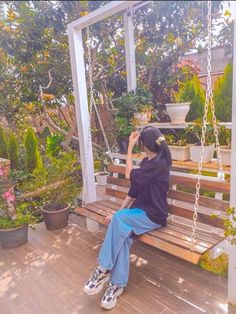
[[152, 138]]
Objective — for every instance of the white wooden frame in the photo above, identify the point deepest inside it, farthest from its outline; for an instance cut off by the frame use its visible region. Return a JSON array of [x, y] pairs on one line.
[[82, 114]]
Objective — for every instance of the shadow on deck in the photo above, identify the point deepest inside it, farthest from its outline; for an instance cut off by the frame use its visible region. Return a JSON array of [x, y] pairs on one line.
[[47, 275]]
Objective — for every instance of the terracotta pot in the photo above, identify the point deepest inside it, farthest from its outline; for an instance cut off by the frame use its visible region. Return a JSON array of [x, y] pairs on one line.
[[14, 237], [55, 215], [178, 112], [181, 153]]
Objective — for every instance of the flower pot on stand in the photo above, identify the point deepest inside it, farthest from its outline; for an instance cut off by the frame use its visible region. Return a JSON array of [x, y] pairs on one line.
[[55, 215], [142, 117], [178, 112], [181, 153], [101, 177], [13, 237], [207, 156], [225, 156]]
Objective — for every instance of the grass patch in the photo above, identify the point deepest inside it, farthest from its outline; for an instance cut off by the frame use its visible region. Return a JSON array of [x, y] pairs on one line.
[[218, 266]]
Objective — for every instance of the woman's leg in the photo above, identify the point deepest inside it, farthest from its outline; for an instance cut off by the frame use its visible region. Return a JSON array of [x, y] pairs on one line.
[[114, 253]]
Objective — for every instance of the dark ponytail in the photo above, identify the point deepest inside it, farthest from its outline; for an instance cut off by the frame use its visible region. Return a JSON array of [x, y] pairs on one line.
[[152, 138], [164, 152]]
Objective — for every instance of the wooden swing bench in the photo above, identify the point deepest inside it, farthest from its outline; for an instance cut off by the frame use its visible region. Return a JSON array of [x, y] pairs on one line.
[[175, 238]]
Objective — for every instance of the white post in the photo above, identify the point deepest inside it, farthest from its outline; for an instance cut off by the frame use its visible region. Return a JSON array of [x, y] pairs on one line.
[[82, 117], [232, 248], [130, 51]]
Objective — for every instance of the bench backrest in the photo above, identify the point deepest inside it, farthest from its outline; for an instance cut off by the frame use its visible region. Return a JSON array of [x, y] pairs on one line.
[[181, 195]]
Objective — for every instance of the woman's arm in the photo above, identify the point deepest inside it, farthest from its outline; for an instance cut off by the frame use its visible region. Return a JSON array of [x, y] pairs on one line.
[[127, 202], [129, 165]]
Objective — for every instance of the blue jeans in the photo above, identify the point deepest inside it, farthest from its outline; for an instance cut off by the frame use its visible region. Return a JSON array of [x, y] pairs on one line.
[[114, 253]]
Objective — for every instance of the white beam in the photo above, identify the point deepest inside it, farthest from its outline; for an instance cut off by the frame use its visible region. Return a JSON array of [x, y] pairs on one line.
[[105, 11], [232, 248], [130, 51], [82, 117]]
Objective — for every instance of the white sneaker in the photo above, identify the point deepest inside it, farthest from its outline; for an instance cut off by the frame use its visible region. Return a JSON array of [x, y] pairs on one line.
[[96, 281], [110, 297]]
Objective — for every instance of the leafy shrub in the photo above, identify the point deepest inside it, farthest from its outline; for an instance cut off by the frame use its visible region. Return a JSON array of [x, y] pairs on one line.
[[223, 95], [23, 218], [3, 144], [128, 104], [191, 91], [32, 157], [53, 144], [13, 151]]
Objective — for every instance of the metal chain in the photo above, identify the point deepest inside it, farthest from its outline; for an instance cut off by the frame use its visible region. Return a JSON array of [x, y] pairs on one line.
[[204, 127]]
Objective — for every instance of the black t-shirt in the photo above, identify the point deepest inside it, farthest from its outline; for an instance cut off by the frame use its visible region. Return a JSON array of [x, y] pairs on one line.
[[150, 185]]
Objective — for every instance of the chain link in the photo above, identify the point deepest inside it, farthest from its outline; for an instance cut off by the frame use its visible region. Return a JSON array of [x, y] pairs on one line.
[[209, 102]]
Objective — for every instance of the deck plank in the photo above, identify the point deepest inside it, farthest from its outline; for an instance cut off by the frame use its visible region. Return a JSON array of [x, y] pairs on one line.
[[57, 263]]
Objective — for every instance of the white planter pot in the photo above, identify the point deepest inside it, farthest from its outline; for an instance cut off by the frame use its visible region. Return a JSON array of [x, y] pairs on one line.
[[181, 153], [178, 112], [101, 178], [207, 156], [141, 117], [226, 156]]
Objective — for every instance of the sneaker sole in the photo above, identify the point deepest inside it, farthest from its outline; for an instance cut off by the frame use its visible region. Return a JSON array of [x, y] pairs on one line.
[[96, 290], [113, 303]]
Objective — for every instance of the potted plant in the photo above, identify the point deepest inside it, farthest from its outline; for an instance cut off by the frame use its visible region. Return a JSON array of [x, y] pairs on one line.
[[144, 114], [178, 109], [133, 108], [194, 136], [55, 215], [225, 143], [178, 146], [124, 128], [14, 221], [101, 177]]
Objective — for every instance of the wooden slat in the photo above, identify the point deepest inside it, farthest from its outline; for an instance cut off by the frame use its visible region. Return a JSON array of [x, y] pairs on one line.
[[151, 240], [118, 181], [202, 217], [115, 193], [184, 237], [170, 248], [208, 202], [197, 247], [200, 234], [116, 168], [209, 185], [193, 165], [172, 225], [176, 234], [215, 186]]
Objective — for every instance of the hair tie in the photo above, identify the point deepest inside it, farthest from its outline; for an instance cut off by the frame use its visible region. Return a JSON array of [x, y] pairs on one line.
[[160, 139]]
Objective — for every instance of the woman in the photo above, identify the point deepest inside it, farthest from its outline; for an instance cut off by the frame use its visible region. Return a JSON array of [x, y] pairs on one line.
[[145, 208]]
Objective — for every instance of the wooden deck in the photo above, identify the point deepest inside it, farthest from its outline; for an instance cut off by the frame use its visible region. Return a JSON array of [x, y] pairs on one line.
[[47, 275]]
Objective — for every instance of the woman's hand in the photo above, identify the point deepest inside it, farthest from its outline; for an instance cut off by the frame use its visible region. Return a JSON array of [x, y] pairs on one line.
[[133, 139], [108, 219]]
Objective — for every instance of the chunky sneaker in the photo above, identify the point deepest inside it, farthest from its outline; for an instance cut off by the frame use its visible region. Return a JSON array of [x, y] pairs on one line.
[[110, 297], [96, 281]]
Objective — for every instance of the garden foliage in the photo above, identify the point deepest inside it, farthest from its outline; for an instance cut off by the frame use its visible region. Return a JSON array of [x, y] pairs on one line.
[[32, 155], [3, 144], [223, 95]]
